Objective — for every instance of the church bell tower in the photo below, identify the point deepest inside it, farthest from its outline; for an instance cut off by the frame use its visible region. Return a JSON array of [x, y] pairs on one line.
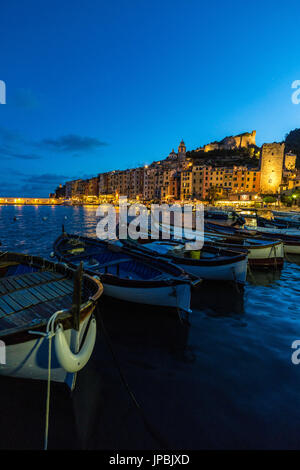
[[182, 150]]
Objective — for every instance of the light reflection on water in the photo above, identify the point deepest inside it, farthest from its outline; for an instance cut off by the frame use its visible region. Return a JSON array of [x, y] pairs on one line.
[[36, 227], [229, 376]]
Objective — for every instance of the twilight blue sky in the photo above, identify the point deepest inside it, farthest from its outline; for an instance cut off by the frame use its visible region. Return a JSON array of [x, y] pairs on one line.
[[99, 85]]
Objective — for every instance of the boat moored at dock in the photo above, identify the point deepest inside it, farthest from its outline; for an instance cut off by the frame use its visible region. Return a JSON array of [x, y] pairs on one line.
[[279, 222], [289, 237], [262, 251], [208, 263], [287, 214], [125, 275], [37, 301]]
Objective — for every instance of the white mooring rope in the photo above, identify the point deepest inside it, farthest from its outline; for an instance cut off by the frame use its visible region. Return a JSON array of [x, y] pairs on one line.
[[50, 332]]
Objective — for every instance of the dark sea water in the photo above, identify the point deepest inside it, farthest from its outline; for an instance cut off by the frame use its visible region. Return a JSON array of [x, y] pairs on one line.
[[224, 382]]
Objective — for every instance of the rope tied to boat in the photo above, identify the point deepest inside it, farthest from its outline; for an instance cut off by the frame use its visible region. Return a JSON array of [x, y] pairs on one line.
[[50, 333], [273, 250]]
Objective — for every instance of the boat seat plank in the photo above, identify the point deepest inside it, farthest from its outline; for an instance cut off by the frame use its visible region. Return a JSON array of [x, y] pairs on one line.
[[25, 294], [24, 298], [32, 297], [20, 282], [46, 309], [5, 307], [55, 289], [24, 282], [36, 293], [40, 292], [12, 303], [7, 286], [34, 316], [48, 292], [13, 283], [35, 313], [66, 286], [20, 299]]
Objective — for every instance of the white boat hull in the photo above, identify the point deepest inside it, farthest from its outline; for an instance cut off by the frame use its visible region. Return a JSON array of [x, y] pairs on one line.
[[29, 360], [257, 252], [288, 247], [267, 254], [292, 249], [178, 296], [236, 271], [227, 272]]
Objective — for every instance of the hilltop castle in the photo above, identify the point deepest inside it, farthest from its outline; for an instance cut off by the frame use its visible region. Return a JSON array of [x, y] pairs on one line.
[[232, 142]]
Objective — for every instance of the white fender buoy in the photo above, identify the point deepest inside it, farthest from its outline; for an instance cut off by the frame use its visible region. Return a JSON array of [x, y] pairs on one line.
[[68, 360]]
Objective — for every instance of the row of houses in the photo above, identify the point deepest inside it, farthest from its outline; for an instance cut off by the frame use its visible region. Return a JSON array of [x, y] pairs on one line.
[[178, 177]]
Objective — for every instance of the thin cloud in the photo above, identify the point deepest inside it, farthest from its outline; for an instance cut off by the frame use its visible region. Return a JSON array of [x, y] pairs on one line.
[[52, 178], [14, 145], [72, 143], [46, 178], [6, 153]]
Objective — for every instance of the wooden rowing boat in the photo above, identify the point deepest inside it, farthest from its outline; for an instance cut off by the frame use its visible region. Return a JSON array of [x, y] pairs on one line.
[[262, 252], [209, 262], [279, 223], [127, 276], [32, 291], [290, 238], [295, 215]]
